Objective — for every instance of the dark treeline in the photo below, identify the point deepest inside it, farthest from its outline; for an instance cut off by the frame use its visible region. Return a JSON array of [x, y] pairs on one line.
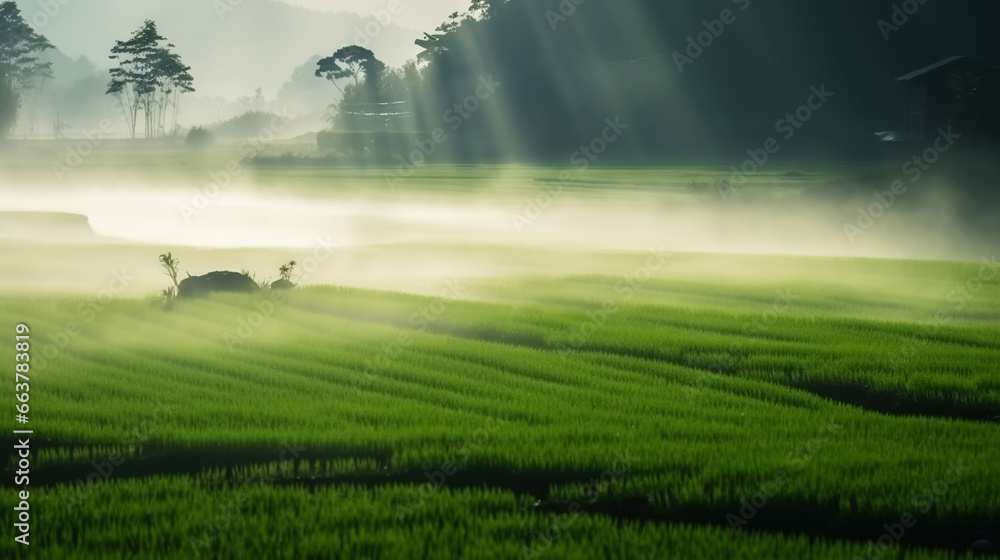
[[562, 68]]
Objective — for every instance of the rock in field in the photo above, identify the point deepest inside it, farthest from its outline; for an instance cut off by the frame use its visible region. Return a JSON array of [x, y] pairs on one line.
[[218, 281]]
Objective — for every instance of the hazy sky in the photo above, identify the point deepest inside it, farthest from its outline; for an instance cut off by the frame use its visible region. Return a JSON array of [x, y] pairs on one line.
[[418, 14], [253, 43]]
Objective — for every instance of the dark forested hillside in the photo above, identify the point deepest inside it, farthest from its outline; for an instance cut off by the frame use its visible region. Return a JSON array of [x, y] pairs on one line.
[[564, 66]]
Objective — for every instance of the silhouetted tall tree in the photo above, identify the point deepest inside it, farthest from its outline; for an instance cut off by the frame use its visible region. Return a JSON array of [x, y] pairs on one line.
[[150, 77], [21, 70]]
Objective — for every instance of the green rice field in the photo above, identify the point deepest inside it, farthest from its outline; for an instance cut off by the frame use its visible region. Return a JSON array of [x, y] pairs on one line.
[[661, 405]]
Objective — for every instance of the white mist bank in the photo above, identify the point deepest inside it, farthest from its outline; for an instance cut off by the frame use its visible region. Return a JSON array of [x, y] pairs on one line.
[[241, 217]]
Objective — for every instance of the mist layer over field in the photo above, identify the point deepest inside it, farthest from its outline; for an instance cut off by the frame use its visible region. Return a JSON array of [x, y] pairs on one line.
[[521, 220]]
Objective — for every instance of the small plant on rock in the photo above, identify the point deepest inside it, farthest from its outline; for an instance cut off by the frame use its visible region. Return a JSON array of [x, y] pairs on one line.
[[287, 269], [170, 264]]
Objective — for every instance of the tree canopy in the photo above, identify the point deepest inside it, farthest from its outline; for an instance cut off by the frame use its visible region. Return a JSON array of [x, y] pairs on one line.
[[350, 62]]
